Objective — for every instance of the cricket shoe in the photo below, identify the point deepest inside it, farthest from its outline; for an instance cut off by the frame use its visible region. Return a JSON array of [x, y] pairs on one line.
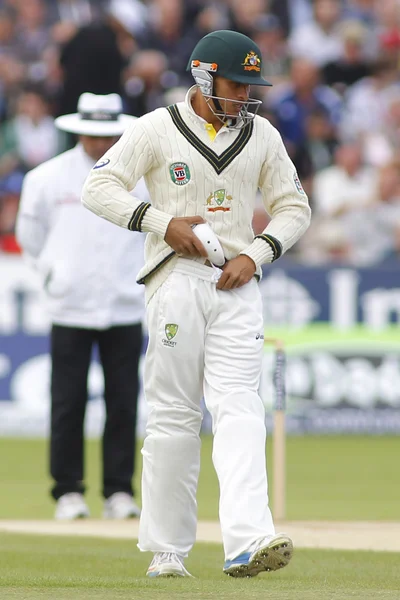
[[270, 554], [120, 506], [167, 564], [70, 507]]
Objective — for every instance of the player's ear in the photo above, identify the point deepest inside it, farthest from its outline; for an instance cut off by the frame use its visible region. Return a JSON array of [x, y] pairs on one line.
[[217, 81]]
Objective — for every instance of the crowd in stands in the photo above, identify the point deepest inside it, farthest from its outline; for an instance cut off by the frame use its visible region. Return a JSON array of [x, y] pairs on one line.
[[335, 66]]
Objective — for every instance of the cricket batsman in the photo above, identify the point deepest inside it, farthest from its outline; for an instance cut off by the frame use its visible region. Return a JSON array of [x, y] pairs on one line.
[[203, 161]]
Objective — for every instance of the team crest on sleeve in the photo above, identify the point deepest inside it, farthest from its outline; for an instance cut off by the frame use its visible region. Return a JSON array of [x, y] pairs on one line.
[[297, 183], [101, 163], [180, 173]]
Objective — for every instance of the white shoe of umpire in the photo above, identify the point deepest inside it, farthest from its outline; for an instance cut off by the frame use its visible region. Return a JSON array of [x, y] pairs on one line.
[[167, 564], [120, 506], [71, 506], [269, 554]]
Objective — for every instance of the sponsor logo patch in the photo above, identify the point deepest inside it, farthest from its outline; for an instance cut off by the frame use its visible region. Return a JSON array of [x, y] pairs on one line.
[[298, 185], [180, 173], [101, 163]]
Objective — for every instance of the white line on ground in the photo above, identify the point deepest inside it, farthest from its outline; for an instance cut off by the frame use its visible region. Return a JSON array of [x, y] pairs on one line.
[[359, 535]]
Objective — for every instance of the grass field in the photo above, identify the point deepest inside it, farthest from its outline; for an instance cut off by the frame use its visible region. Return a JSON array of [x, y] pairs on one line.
[[46, 567], [347, 478], [342, 478]]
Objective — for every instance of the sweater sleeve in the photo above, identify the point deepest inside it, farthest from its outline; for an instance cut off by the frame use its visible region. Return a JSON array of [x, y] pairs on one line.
[[106, 190], [284, 200]]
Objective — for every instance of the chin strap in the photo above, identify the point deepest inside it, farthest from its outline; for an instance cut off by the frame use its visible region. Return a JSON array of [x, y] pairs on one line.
[[219, 109]]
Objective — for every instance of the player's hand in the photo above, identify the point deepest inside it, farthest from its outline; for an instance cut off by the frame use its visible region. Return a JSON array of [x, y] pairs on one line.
[[181, 238], [236, 272]]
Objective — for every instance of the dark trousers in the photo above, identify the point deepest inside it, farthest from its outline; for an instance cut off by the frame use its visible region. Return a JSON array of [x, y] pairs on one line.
[[71, 350]]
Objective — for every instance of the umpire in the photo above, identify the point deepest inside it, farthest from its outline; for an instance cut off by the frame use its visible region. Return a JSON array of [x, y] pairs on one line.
[[89, 268]]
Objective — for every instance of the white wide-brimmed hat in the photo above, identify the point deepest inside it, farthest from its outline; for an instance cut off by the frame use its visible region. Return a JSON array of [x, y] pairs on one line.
[[97, 116]]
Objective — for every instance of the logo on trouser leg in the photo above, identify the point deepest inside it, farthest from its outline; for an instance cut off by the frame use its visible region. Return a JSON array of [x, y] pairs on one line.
[[171, 329]]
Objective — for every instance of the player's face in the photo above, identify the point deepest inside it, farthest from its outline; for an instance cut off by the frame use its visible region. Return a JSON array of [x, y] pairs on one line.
[[238, 94], [95, 146]]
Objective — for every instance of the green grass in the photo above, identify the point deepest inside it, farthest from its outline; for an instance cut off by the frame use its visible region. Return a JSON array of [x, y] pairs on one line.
[[328, 478], [324, 333], [348, 477], [39, 567]]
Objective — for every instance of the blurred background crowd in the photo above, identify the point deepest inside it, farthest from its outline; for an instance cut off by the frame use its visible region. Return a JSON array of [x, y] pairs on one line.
[[335, 69]]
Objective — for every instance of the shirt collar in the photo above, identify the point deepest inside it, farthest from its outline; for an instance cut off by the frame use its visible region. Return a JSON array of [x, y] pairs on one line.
[[194, 116]]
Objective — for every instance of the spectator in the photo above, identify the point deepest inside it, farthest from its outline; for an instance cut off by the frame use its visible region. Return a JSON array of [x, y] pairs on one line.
[[361, 10], [13, 73], [365, 107], [245, 15], [388, 15], [139, 49], [366, 12], [269, 36], [33, 35], [283, 11], [10, 189], [299, 12], [389, 42], [129, 21], [8, 44], [319, 40], [213, 16], [79, 12], [382, 145], [299, 98], [147, 79], [29, 137], [346, 185], [353, 64], [95, 49], [172, 34], [321, 140], [373, 232]]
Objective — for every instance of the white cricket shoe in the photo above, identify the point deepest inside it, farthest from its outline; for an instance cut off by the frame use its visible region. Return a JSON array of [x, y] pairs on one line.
[[71, 506], [167, 564], [120, 506], [269, 554]]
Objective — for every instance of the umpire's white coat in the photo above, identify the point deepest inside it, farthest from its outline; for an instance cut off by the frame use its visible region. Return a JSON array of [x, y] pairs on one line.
[[88, 265]]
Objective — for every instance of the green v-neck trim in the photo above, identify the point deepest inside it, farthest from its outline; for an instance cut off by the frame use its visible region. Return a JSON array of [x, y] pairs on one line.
[[219, 162]]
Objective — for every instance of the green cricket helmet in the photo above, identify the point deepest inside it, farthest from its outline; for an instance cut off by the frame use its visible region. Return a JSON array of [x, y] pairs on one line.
[[233, 56]]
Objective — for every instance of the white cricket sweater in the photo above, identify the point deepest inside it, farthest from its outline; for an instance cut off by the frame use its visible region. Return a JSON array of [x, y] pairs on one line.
[[187, 174]]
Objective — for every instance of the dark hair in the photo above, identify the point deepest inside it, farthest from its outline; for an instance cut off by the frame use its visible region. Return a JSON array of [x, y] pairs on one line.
[[35, 88]]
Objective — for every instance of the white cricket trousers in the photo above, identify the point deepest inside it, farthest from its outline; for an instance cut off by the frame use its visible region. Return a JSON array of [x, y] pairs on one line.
[[203, 341]]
